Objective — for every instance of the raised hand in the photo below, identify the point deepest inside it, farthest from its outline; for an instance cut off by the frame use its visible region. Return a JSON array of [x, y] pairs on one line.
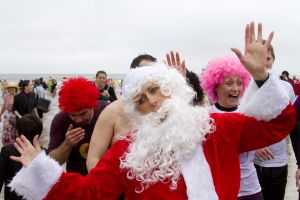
[[175, 62], [255, 55], [27, 150]]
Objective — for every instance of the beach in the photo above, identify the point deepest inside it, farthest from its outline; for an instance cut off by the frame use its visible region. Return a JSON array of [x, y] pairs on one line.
[[291, 192]]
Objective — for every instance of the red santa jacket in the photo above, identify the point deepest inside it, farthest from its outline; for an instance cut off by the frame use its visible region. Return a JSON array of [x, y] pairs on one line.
[[235, 133]]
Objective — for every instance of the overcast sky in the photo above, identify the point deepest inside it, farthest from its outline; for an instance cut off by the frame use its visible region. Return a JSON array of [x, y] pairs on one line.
[[69, 36]]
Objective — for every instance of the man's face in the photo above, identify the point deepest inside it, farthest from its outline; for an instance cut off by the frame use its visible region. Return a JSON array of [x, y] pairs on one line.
[[229, 91], [146, 63], [150, 99], [82, 117], [270, 60], [101, 79]]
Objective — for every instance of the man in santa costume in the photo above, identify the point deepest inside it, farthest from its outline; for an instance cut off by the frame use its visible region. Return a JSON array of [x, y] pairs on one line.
[[176, 151]]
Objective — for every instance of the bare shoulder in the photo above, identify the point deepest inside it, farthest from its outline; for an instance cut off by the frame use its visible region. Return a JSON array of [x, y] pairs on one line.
[[113, 109]]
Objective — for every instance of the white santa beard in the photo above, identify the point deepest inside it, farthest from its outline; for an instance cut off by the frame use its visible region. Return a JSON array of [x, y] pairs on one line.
[[162, 139]]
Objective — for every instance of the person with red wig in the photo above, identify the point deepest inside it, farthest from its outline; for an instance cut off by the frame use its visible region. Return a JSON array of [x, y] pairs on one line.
[[72, 127]]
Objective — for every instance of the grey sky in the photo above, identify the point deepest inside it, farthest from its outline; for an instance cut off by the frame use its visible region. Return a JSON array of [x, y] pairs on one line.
[[68, 36]]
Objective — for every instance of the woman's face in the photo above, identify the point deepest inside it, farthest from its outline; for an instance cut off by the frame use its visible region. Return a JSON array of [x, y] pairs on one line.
[[150, 99], [11, 91], [101, 79], [229, 91]]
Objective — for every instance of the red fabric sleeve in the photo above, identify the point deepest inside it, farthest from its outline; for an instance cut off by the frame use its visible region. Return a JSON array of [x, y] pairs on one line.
[[105, 181], [247, 134]]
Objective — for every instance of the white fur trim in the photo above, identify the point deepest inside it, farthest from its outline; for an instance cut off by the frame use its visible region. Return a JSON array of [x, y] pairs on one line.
[[35, 181], [197, 176], [267, 102]]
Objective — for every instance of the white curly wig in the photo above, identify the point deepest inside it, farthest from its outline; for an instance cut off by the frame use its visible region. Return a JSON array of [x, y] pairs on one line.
[[167, 78], [156, 147]]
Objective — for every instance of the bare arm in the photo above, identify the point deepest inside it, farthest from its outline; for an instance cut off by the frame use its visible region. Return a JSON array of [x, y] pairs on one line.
[[3, 108], [36, 112], [61, 153], [102, 136], [17, 114]]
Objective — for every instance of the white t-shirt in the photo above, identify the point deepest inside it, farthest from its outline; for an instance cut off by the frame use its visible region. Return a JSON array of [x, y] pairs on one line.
[[278, 149]]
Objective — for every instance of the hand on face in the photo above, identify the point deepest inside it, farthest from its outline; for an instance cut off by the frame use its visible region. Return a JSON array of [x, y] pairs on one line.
[[74, 136], [255, 55], [27, 150]]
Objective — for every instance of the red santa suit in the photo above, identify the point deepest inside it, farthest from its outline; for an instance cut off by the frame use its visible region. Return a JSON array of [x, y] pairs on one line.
[[235, 133]]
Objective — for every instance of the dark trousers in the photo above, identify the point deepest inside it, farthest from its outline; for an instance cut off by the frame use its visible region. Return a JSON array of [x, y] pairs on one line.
[[257, 196], [273, 181]]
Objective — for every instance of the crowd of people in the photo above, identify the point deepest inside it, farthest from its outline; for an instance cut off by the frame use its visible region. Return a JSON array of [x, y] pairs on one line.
[[171, 134]]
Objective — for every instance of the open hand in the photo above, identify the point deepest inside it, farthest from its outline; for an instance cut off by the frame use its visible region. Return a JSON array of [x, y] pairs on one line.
[[175, 62], [255, 55], [264, 154], [27, 150]]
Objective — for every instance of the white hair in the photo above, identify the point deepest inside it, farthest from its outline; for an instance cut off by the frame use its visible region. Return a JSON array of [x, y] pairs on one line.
[[157, 146], [170, 81]]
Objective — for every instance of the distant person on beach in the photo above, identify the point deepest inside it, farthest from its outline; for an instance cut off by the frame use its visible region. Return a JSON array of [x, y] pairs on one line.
[[9, 133], [295, 84], [71, 129], [53, 87], [25, 102], [29, 126], [43, 83], [39, 92], [49, 84], [107, 91]]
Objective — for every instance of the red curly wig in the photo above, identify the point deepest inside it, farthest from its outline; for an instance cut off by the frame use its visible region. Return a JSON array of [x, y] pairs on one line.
[[77, 94]]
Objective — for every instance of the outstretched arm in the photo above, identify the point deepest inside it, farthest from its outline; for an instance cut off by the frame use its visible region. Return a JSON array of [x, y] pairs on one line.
[[27, 150], [43, 178]]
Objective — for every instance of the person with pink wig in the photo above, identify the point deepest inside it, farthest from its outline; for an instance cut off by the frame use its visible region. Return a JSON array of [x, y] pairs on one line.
[[225, 81]]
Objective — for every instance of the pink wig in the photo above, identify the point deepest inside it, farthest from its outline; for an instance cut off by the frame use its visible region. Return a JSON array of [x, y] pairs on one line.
[[77, 94], [218, 69]]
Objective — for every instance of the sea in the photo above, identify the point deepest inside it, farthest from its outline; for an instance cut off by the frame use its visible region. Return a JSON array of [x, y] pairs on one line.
[[17, 77]]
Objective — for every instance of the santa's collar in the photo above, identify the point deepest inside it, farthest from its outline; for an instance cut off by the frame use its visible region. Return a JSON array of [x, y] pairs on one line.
[[197, 176]]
